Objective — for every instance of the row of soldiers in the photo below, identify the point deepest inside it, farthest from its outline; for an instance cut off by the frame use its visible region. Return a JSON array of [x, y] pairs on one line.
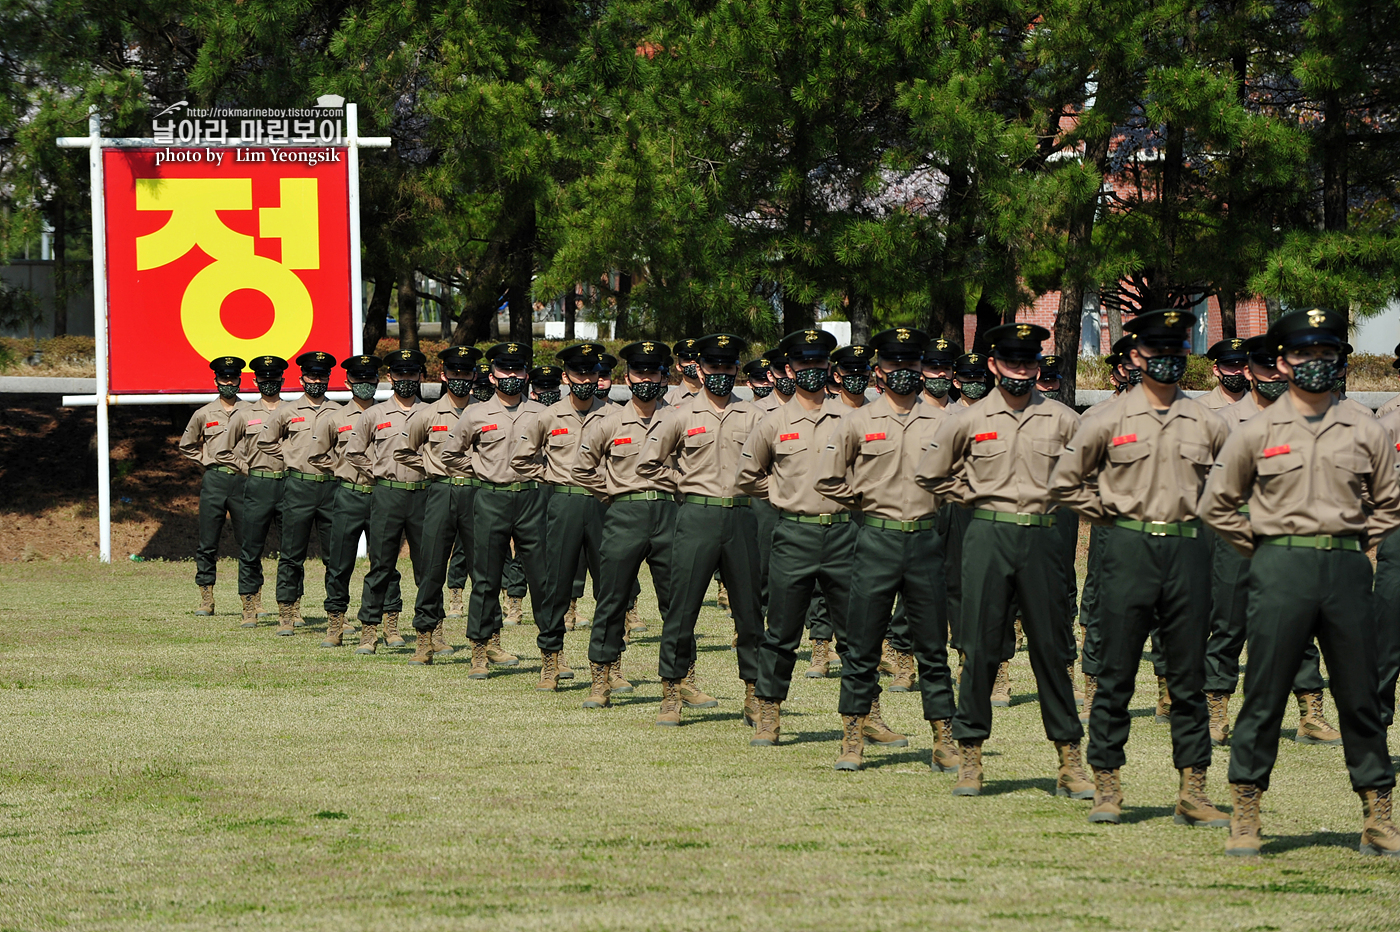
[[892, 499]]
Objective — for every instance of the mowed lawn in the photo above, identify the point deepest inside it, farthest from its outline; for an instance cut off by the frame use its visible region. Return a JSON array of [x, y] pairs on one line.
[[161, 770]]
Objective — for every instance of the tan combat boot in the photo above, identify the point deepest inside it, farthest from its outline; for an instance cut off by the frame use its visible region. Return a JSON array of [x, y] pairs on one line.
[[635, 625], [889, 663], [905, 671], [257, 603], [549, 672], [1074, 682], [750, 704], [599, 695], [571, 616], [722, 599], [1091, 687], [250, 611], [1218, 705], [1313, 728], [1379, 835], [852, 743], [515, 611], [669, 715], [1001, 686], [566, 672], [692, 696], [369, 638], [821, 659], [1193, 806], [1164, 702], [1108, 797], [480, 670], [769, 726], [297, 620], [206, 601], [392, 638], [498, 654], [455, 603], [440, 645], [1246, 833], [335, 629], [285, 626], [616, 681], [422, 648], [946, 758], [835, 659], [1020, 636], [875, 731], [969, 782], [1071, 780]]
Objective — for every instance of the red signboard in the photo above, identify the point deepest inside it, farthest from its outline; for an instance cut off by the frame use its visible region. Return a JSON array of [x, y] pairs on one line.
[[224, 252]]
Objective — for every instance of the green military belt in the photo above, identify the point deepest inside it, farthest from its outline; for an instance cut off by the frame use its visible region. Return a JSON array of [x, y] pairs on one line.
[[356, 487], [452, 480], [509, 486], [570, 490], [738, 501], [841, 518], [266, 473], [923, 524], [1243, 509], [406, 486], [650, 495], [1320, 542], [1161, 528], [1009, 517], [228, 469], [309, 476]]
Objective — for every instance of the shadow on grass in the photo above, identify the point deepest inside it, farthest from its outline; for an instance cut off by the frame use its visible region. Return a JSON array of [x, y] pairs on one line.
[[1003, 787], [1277, 844]]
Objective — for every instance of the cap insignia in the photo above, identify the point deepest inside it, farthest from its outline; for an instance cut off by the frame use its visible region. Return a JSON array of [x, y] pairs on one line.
[[1171, 318], [1316, 317], [1023, 331]]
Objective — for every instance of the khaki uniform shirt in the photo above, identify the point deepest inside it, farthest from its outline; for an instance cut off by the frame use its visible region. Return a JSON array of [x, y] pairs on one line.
[[427, 430], [1216, 399], [204, 429], [379, 433], [1392, 405], [1150, 466], [481, 439], [290, 433], [996, 458], [771, 402], [695, 449], [333, 434], [870, 462], [237, 446], [1391, 422], [680, 393], [548, 445], [1303, 478], [1236, 414], [779, 460], [610, 448]]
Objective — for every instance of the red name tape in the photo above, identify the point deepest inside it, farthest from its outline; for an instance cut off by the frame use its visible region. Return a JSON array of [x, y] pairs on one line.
[[558, 430], [211, 423], [295, 420], [1126, 438], [488, 427], [258, 421], [341, 430], [1279, 451], [437, 427], [789, 436], [981, 437], [384, 425], [870, 437], [694, 430], [621, 440]]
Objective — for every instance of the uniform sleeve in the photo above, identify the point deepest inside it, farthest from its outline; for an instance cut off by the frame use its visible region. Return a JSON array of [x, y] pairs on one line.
[[192, 440], [834, 466], [655, 464], [225, 447], [588, 470], [1385, 489], [941, 464], [456, 447], [1072, 483], [323, 436], [415, 433], [1229, 486], [357, 449], [755, 460], [527, 452], [269, 442]]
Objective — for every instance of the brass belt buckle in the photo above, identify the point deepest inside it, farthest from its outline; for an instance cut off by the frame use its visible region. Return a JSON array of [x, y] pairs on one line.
[[1323, 542], [1161, 527], [1025, 520], [726, 503], [824, 519], [907, 526]]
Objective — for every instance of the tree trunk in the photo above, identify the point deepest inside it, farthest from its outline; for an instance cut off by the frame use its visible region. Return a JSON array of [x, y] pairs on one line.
[[408, 310], [1115, 322], [521, 259], [1228, 330], [1173, 169], [60, 271], [474, 323], [987, 318], [1334, 163], [377, 314], [623, 325], [861, 312], [570, 313], [947, 297]]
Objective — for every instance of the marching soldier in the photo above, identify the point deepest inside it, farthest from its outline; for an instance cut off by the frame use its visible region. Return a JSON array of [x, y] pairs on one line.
[[938, 363], [262, 488], [221, 488], [447, 500], [506, 508], [396, 505], [1306, 465], [759, 373], [996, 458], [353, 492], [573, 519], [814, 538], [308, 491], [1394, 403], [971, 378], [640, 520], [1050, 382], [694, 452], [783, 385], [1150, 453], [869, 467], [1229, 365], [689, 386], [760, 381], [606, 364]]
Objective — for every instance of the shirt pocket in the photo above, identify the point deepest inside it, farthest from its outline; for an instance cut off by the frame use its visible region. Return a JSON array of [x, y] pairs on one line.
[[1351, 475], [785, 448], [703, 437], [1282, 476], [1043, 456], [1195, 465], [1128, 468], [987, 462]]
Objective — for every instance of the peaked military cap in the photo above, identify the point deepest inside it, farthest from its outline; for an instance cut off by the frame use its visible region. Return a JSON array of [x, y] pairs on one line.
[[607, 362], [1050, 367], [1167, 328], [546, 376], [317, 362], [1396, 363], [581, 357], [903, 343], [721, 347], [853, 358], [685, 349], [266, 367], [460, 357], [227, 365], [1112, 360], [777, 360], [941, 349], [1017, 341], [405, 360], [1124, 344], [1227, 351], [646, 355], [1260, 350], [363, 366], [1304, 328], [971, 364], [757, 369], [483, 369], [808, 344], [511, 355]]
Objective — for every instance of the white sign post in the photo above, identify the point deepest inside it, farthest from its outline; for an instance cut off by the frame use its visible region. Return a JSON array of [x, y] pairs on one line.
[[95, 143]]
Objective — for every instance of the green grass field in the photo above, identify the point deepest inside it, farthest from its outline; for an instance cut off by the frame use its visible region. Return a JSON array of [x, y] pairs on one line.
[[161, 770]]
